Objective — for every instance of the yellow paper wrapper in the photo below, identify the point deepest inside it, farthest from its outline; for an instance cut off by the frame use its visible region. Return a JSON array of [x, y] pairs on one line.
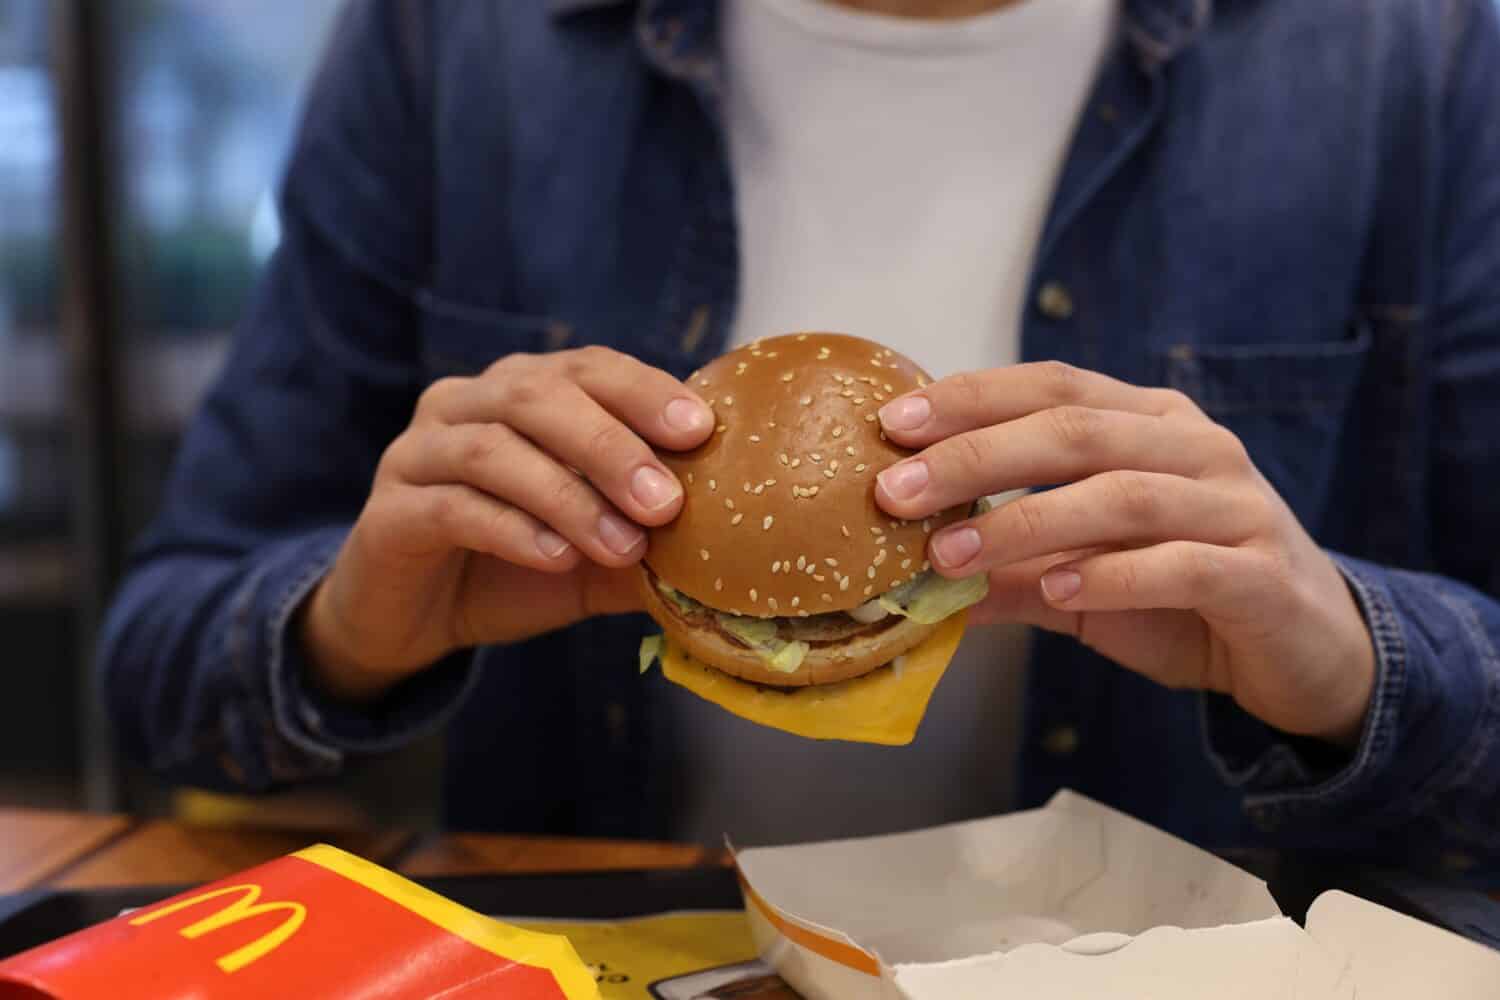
[[881, 707]]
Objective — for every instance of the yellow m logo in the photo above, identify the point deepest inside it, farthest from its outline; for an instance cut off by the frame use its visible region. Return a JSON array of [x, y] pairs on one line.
[[242, 908]]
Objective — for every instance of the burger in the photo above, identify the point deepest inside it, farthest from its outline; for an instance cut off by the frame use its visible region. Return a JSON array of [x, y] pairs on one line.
[[781, 570]]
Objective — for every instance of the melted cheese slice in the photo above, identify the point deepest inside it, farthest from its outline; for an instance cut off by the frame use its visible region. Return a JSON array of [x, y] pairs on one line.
[[880, 707]]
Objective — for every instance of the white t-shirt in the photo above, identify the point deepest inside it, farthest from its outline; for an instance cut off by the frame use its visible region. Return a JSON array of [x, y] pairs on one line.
[[892, 177]]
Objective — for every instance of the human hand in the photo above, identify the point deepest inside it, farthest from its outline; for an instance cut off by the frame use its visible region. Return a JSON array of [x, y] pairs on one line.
[[1164, 549], [479, 530]]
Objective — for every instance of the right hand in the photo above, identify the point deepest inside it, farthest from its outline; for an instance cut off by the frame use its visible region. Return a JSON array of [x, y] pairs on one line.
[[478, 530]]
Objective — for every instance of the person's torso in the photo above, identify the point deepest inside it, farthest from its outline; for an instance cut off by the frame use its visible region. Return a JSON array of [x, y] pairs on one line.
[[1238, 215]]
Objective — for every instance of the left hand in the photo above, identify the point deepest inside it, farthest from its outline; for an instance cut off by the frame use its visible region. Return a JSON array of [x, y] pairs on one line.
[[1165, 550]]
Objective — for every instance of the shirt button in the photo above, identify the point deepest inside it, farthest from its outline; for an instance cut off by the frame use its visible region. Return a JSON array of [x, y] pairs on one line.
[[1054, 300], [1060, 741]]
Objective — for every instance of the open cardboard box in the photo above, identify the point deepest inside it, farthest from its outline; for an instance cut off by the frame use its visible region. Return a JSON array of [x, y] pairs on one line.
[[1076, 900]]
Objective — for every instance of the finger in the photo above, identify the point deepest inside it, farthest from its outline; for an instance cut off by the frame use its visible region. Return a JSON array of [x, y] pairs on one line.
[[1111, 509], [648, 400], [1057, 445], [978, 399], [1173, 575], [471, 519], [497, 460]]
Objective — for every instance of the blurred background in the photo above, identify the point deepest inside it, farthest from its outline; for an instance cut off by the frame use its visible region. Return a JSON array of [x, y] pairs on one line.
[[140, 145]]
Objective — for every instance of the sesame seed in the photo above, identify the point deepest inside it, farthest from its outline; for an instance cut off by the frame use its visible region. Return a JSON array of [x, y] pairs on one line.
[[906, 564], [879, 398], [755, 353], [828, 473], [801, 336], [874, 531], [820, 577], [812, 568], [746, 487], [771, 424], [844, 583], [801, 562], [769, 482], [703, 382], [755, 439], [834, 465], [720, 429], [921, 382], [895, 525], [868, 591], [838, 432], [867, 378], [885, 353], [712, 485], [847, 393], [766, 524], [776, 566], [827, 598], [729, 503], [870, 572], [796, 601], [880, 557], [753, 595], [805, 400], [690, 478], [782, 458], [759, 489], [845, 529], [900, 548], [704, 554], [815, 456], [739, 369], [796, 462], [859, 400], [876, 363], [882, 435], [926, 526], [812, 491], [861, 467], [926, 565], [772, 602], [822, 354], [718, 583], [830, 561], [728, 400], [770, 354], [849, 450], [735, 611], [895, 581], [870, 419], [887, 387], [787, 376], [879, 539], [736, 519]]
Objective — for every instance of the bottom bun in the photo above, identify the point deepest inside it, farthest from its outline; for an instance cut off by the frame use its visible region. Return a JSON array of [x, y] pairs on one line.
[[824, 663]]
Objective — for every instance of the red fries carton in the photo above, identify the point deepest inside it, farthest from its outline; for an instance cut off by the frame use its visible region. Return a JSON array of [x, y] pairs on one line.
[[317, 923]]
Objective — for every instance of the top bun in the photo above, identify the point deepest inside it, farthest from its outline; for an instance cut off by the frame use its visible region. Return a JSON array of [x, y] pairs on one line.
[[779, 516]]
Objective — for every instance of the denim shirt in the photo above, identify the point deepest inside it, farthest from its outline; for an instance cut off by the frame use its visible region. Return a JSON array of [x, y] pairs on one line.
[[1288, 210]]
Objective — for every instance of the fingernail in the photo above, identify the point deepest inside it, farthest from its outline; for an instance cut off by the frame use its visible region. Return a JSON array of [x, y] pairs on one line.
[[687, 415], [653, 488], [956, 547], [618, 535], [905, 414], [1060, 584], [904, 480], [550, 543]]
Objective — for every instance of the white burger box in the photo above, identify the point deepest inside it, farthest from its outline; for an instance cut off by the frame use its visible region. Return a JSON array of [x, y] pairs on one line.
[[1076, 900]]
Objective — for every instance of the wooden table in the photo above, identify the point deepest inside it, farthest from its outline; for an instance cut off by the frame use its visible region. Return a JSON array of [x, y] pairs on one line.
[[77, 850]]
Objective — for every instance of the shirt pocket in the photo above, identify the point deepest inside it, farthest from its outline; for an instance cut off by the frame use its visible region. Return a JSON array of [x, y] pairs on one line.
[[1288, 403], [465, 340]]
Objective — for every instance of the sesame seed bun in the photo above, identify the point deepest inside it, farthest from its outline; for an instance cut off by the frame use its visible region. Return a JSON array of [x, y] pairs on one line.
[[779, 518]]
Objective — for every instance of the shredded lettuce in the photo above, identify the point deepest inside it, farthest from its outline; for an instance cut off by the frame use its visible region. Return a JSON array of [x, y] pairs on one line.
[[930, 598], [650, 651], [753, 632], [788, 658]]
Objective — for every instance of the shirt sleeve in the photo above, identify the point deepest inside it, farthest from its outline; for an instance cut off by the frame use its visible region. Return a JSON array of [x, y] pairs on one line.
[[1427, 766], [199, 660]]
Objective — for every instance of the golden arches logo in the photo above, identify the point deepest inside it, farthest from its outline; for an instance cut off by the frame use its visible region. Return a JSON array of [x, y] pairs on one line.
[[243, 908]]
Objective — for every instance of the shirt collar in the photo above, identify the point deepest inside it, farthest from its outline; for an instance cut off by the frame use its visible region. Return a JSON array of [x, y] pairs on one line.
[[1157, 29]]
